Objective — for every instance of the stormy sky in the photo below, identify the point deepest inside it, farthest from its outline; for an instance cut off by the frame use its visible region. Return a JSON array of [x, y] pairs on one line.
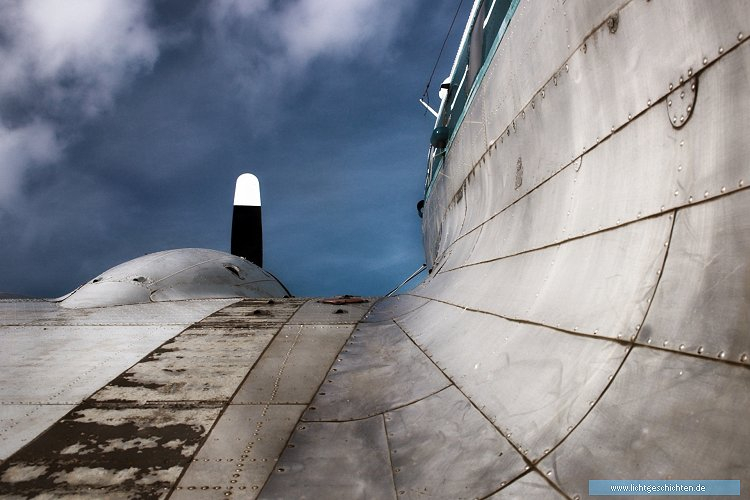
[[124, 124]]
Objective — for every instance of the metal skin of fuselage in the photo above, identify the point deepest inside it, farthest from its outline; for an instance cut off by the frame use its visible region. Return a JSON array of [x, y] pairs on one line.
[[585, 317]]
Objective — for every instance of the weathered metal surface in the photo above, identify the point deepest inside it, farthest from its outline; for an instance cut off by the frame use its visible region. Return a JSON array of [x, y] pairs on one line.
[[710, 244], [334, 459], [378, 369], [534, 383], [666, 416], [240, 452], [294, 365], [577, 286], [52, 358], [182, 274], [531, 486], [580, 199], [442, 447], [135, 436], [109, 452], [314, 312], [570, 116]]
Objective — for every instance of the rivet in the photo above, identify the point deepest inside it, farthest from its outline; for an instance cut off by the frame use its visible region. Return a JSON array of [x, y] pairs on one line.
[[721, 50], [682, 347], [612, 129], [566, 68], [692, 87], [690, 72], [682, 118], [549, 472], [669, 102], [723, 189], [674, 120], [671, 86], [555, 81], [682, 94], [690, 199], [648, 103], [705, 60], [666, 343], [700, 350], [629, 116], [542, 94], [682, 143], [743, 358], [679, 168], [722, 354], [661, 209], [648, 341], [740, 36], [676, 193], [741, 183], [681, 80], [705, 195]]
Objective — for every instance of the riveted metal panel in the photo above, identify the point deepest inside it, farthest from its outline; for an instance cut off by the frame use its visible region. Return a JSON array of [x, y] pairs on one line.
[[392, 307], [443, 447], [240, 452], [64, 365], [666, 416], [378, 369], [313, 312], [711, 244], [569, 115], [577, 286], [293, 366], [334, 460], [616, 183], [533, 383], [21, 423], [195, 367], [531, 486]]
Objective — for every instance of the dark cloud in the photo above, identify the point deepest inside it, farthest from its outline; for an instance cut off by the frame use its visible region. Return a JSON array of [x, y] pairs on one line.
[[328, 120]]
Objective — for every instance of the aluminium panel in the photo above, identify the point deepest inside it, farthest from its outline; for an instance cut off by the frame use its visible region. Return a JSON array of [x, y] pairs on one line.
[[708, 314], [531, 486], [441, 446], [378, 369], [64, 365], [666, 416], [534, 383], [21, 423], [388, 308], [239, 453], [294, 365], [579, 286], [313, 312], [334, 460]]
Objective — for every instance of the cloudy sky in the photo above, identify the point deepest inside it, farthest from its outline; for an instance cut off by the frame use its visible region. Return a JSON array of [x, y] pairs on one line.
[[124, 124]]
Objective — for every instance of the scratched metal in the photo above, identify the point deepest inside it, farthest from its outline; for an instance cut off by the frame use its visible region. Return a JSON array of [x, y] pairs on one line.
[[294, 365], [666, 416], [392, 307], [531, 486], [334, 460], [313, 312], [577, 286], [378, 369], [240, 452], [532, 382], [443, 447], [710, 244], [181, 274]]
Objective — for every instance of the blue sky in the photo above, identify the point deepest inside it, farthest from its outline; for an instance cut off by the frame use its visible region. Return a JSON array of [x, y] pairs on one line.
[[124, 124]]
